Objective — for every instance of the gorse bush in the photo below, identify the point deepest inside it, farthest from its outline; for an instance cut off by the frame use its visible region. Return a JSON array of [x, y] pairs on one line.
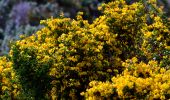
[[141, 28], [123, 54], [138, 81], [10, 89], [22, 16], [69, 53]]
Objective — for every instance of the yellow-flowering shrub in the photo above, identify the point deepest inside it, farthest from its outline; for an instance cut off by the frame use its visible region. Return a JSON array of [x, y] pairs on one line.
[[138, 81], [66, 54], [9, 87], [142, 30]]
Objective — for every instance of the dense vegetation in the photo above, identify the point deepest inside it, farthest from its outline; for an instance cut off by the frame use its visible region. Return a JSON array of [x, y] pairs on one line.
[[23, 16], [122, 54]]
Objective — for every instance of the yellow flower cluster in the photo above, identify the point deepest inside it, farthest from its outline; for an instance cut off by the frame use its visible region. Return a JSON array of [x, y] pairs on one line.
[[9, 85], [126, 21], [99, 90], [155, 38], [142, 29], [138, 81]]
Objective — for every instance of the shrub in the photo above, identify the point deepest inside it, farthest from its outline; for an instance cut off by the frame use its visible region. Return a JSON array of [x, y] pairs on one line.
[[142, 30], [138, 81], [9, 86], [66, 54], [61, 59]]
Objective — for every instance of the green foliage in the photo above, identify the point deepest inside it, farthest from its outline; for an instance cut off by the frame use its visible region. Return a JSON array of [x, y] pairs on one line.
[[32, 74]]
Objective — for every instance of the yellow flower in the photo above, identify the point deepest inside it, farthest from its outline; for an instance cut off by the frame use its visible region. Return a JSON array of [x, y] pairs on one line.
[[15, 86], [72, 58], [134, 59], [148, 34], [167, 47], [100, 47], [159, 38], [61, 45], [4, 88], [97, 50]]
